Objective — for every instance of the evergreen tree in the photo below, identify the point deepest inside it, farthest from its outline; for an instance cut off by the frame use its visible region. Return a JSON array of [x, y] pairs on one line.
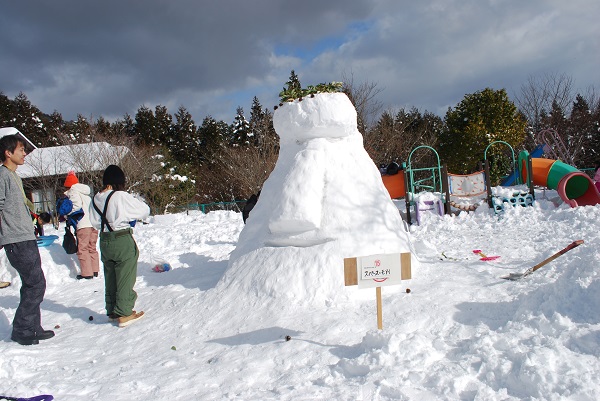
[[212, 135], [145, 127], [393, 137], [261, 125], [257, 121], [28, 119], [102, 128], [556, 119], [5, 111], [241, 131], [478, 120], [53, 125], [78, 131], [593, 158], [124, 127], [163, 122], [581, 132], [421, 129], [184, 140]]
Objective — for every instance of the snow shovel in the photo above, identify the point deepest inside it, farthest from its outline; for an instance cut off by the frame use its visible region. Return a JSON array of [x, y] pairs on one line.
[[517, 276]]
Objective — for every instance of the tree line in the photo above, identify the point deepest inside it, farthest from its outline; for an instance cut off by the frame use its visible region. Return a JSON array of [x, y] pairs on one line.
[[177, 161]]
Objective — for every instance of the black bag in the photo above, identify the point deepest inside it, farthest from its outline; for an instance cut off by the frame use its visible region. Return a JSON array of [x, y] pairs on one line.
[[392, 169], [69, 242]]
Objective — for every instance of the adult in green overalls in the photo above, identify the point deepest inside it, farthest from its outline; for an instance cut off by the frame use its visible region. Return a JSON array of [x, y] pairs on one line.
[[114, 213]]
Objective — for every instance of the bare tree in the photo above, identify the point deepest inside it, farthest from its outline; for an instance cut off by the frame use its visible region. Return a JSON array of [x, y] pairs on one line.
[[538, 95], [238, 172], [363, 97], [592, 97]]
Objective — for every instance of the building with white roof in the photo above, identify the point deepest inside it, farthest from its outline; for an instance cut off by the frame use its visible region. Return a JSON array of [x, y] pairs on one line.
[[45, 169]]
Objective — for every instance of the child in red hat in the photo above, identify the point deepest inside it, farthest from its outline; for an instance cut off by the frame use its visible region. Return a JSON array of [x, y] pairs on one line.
[[87, 236], [71, 179]]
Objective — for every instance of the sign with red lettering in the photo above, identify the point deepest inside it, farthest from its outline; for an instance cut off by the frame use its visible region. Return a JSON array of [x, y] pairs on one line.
[[379, 270]]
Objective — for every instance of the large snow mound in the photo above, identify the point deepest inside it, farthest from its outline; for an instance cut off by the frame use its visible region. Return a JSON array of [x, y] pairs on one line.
[[323, 202]]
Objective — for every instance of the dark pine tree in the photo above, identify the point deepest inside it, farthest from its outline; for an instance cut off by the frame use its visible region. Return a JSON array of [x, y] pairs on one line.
[[261, 125], [241, 129], [212, 135], [102, 128], [163, 123], [581, 132], [124, 127], [78, 131], [184, 137], [144, 126], [5, 111], [28, 119]]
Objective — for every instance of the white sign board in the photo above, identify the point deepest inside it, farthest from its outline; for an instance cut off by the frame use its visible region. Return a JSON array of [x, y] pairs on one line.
[[379, 270]]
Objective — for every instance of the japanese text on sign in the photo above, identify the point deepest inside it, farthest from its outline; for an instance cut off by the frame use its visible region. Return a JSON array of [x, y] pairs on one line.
[[378, 270], [375, 273]]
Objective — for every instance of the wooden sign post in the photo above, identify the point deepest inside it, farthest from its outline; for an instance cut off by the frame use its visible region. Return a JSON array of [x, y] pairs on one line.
[[377, 271]]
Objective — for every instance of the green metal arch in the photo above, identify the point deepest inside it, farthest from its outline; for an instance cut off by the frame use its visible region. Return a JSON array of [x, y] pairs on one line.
[[410, 170], [516, 168]]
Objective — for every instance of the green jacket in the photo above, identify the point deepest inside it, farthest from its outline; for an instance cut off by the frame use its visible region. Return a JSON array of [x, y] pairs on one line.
[[15, 220]]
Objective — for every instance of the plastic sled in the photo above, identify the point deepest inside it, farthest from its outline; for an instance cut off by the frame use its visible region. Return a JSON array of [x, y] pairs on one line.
[[45, 240]]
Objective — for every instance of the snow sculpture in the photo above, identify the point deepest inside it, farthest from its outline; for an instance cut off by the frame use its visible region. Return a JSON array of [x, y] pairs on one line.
[[324, 201]]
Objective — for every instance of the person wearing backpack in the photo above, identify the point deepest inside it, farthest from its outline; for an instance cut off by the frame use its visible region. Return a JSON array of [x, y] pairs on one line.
[[87, 236], [114, 212]]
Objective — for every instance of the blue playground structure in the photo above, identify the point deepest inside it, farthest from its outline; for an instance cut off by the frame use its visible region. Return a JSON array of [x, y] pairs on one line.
[[514, 178], [518, 198]]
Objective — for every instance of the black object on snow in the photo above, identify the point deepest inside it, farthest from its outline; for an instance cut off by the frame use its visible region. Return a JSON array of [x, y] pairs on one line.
[[249, 206]]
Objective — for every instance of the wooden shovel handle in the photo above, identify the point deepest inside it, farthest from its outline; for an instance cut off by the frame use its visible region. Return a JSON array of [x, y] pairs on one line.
[[574, 244]]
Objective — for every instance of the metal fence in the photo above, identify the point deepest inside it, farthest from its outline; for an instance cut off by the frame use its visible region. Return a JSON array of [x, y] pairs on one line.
[[235, 206]]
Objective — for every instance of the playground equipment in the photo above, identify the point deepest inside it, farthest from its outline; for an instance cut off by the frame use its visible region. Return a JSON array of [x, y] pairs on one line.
[[574, 187], [557, 148], [428, 179], [394, 183], [436, 206], [517, 198], [466, 185], [514, 178]]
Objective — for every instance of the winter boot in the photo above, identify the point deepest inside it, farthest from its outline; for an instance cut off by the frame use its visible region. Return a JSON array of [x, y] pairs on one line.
[[127, 320]]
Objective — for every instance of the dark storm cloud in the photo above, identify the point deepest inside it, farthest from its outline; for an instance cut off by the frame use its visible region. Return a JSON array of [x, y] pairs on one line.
[[110, 57]]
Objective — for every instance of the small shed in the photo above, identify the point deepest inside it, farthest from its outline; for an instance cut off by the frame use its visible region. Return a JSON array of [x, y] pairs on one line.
[[45, 169]]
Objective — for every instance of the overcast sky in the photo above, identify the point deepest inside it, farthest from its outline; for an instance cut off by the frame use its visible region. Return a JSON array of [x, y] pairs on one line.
[[107, 58]]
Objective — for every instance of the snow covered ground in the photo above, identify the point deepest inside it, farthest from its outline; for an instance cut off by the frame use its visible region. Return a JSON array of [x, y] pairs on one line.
[[461, 333]]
